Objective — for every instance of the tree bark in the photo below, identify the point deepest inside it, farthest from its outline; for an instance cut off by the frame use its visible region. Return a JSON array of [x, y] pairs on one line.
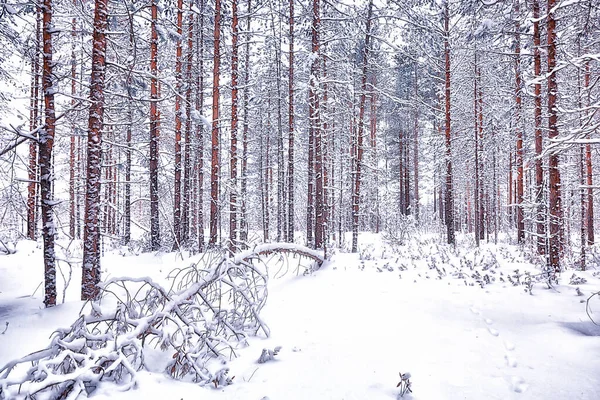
[[555, 206], [34, 122], [91, 234], [539, 174], [449, 200], [233, 157], [518, 126], [360, 131], [290, 224], [154, 132], [214, 173], [46, 144]]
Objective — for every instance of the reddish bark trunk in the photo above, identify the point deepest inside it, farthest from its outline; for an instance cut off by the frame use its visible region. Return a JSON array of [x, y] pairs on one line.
[[539, 174], [154, 132], [91, 234], [519, 131], [589, 172], [200, 127], [449, 200], [233, 223], [178, 87], [33, 124], [290, 225], [188, 177], [214, 174]]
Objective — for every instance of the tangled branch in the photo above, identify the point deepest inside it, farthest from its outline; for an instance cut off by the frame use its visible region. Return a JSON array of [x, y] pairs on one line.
[[195, 327]]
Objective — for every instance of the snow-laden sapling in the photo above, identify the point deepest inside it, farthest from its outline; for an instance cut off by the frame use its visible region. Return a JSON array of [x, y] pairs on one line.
[[268, 355], [222, 378], [405, 384], [577, 280]]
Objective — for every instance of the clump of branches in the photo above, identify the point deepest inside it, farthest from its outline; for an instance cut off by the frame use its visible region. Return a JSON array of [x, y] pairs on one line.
[[196, 326]]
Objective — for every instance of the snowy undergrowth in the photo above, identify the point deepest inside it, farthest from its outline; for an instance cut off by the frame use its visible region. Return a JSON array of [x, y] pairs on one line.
[[461, 321]]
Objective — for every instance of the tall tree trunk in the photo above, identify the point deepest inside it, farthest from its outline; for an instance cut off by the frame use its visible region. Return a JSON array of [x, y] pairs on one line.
[[233, 158], [313, 105], [214, 171], [72, 150], [360, 131], [449, 204], [244, 167], [290, 224], [318, 164], [178, 87], [154, 132], [34, 122], [519, 128], [477, 146], [46, 144], [555, 206], [188, 179], [539, 174], [588, 164], [416, 145], [91, 234], [200, 126]]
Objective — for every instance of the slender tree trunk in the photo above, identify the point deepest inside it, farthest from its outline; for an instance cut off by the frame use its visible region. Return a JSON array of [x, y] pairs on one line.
[[200, 126], [214, 174], [539, 174], [73, 134], [360, 131], [477, 172], [46, 144], [290, 233], [313, 104], [178, 94], [518, 126], [154, 132], [416, 145], [589, 172], [34, 122], [245, 101], [91, 235], [449, 204], [318, 149], [555, 207], [188, 180], [233, 158]]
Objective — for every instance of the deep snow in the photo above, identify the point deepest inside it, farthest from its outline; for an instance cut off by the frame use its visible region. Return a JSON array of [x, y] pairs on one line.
[[349, 329]]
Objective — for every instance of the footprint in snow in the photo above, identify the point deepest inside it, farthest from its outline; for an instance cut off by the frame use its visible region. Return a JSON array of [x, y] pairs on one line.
[[493, 331], [475, 311], [518, 384], [509, 345], [488, 321], [510, 361]]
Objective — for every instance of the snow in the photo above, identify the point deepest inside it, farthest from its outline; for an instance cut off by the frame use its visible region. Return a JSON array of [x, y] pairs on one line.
[[349, 329]]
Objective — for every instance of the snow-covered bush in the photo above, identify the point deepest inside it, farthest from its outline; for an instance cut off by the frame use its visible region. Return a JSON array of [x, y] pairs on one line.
[[191, 329]]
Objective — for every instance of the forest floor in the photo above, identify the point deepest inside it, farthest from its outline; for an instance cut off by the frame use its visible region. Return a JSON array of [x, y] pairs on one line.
[[462, 322]]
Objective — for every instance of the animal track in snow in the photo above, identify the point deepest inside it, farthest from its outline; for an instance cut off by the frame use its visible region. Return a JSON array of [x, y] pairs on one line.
[[509, 345], [493, 331], [510, 361], [475, 311], [488, 321], [518, 384]]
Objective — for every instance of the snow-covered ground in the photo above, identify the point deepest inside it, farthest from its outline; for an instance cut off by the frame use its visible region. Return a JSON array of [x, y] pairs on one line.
[[349, 329]]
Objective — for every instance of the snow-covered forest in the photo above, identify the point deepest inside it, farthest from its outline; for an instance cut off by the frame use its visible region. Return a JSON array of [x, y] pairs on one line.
[[294, 199]]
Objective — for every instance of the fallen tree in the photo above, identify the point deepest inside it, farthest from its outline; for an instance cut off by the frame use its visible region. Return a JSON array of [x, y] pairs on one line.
[[195, 327]]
